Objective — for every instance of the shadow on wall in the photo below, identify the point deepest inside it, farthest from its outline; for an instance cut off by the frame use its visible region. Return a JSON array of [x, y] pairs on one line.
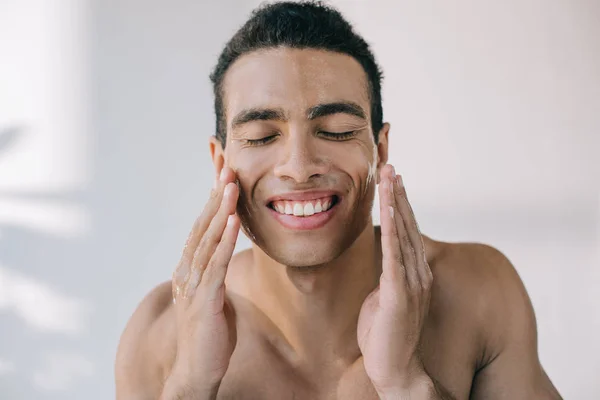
[[41, 322]]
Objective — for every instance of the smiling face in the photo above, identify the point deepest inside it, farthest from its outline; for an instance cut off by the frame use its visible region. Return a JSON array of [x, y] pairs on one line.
[[299, 138]]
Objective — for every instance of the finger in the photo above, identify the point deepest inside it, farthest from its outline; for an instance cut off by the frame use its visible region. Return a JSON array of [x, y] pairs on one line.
[[212, 237], [392, 262], [408, 253], [182, 272], [203, 221], [414, 234], [216, 270]]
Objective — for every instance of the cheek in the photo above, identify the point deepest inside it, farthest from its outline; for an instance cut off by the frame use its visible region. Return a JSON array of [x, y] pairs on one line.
[[359, 160], [248, 166]]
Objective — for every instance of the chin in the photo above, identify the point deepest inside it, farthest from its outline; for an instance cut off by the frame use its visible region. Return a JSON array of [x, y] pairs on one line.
[[310, 255], [308, 250]]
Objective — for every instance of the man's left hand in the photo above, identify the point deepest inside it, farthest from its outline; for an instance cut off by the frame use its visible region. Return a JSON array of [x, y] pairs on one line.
[[392, 316]]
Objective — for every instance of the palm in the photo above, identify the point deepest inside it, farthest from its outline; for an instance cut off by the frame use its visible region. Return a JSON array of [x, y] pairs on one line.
[[375, 333], [391, 317], [217, 338]]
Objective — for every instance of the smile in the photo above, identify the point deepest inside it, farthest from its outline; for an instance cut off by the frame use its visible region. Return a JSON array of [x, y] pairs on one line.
[[304, 211], [303, 208]]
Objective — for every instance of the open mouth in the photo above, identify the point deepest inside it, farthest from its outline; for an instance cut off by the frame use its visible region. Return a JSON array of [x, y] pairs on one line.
[[304, 208]]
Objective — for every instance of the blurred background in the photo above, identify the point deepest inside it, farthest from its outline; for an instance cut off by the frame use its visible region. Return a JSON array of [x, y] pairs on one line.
[[105, 114]]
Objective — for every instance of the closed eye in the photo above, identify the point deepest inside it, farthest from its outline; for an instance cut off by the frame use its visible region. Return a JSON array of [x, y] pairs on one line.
[[261, 141], [338, 135]]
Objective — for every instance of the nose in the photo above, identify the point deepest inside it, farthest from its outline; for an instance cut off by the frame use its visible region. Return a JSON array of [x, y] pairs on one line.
[[301, 159]]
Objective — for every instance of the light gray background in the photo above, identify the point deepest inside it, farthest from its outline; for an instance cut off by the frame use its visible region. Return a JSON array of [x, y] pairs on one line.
[[105, 112]]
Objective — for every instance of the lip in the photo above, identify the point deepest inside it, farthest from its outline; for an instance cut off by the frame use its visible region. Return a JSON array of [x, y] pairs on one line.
[[304, 196], [314, 221]]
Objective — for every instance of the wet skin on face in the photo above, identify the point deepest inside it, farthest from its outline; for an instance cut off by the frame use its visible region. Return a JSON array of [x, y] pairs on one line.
[[299, 120]]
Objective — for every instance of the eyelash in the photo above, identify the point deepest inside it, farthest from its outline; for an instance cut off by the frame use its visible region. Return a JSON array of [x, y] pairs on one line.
[[341, 136], [338, 136], [259, 142]]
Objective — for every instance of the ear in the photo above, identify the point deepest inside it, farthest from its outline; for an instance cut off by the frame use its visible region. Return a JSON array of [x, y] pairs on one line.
[[217, 154], [382, 148]]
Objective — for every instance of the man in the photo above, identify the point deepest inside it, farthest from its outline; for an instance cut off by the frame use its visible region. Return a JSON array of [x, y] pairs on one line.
[[324, 305]]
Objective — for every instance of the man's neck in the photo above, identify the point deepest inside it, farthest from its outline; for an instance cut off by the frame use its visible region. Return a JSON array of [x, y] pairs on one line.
[[316, 309]]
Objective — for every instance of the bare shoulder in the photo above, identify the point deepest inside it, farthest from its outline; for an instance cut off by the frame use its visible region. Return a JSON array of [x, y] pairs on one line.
[[476, 272], [147, 345], [475, 263], [478, 283], [480, 270]]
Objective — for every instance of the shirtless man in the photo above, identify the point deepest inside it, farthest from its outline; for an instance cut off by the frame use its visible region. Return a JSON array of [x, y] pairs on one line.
[[324, 305]]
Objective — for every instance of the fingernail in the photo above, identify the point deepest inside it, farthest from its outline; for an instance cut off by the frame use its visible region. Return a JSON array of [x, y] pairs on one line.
[[399, 179], [230, 220], [391, 211], [391, 187], [228, 190], [393, 170], [223, 175]]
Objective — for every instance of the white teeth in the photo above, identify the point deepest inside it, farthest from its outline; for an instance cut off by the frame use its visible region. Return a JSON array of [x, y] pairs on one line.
[[309, 209], [302, 208], [318, 207], [298, 210]]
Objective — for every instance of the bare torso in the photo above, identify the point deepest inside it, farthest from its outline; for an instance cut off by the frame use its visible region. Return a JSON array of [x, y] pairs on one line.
[[264, 367]]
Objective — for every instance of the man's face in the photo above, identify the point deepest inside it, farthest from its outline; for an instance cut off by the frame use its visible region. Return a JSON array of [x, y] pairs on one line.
[[299, 138]]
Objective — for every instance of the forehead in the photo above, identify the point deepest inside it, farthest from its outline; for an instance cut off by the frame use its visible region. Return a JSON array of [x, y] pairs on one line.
[[293, 79]]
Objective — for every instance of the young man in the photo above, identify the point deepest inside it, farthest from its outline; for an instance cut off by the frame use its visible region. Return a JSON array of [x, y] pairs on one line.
[[324, 305]]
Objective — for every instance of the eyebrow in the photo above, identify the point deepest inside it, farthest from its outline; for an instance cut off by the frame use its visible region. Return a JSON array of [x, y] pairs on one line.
[[258, 114], [322, 110], [277, 114]]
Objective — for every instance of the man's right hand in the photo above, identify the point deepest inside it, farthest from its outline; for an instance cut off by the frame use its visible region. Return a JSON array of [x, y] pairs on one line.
[[204, 340]]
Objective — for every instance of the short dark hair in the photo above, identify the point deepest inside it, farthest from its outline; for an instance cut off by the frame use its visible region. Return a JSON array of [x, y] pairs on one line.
[[306, 24]]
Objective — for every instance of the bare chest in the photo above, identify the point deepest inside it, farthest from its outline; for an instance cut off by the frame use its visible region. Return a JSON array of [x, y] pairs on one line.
[[257, 374], [265, 378]]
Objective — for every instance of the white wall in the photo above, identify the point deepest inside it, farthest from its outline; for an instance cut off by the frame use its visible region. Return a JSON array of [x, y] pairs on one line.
[[105, 111]]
